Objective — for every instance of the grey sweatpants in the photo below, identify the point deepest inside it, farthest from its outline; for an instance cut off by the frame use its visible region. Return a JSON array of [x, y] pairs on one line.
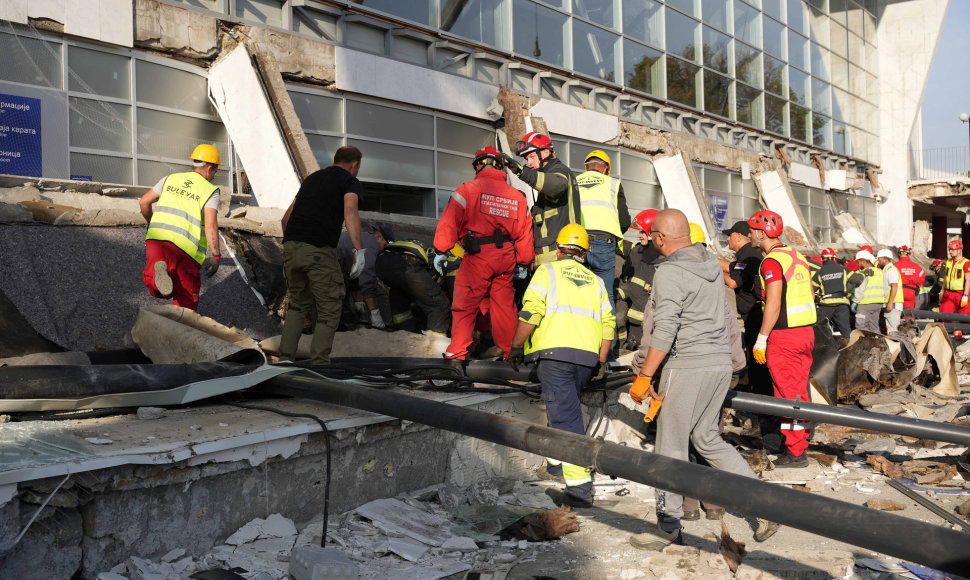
[[690, 414], [867, 317]]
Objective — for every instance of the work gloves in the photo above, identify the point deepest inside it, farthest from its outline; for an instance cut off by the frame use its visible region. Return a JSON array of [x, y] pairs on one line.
[[641, 386], [760, 349], [600, 372], [516, 356], [521, 272], [362, 311], [854, 305], [358, 266], [440, 261], [211, 265], [376, 320], [512, 164], [963, 301]]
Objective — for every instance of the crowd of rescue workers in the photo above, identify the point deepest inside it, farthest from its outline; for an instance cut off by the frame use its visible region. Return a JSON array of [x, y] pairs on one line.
[[554, 283]]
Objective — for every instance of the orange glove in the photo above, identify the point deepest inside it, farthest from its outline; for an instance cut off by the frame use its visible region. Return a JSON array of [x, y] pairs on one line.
[[652, 411], [760, 350], [638, 392], [963, 301]]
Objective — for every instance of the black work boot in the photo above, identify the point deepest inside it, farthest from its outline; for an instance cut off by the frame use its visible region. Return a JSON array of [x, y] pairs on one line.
[[788, 460]]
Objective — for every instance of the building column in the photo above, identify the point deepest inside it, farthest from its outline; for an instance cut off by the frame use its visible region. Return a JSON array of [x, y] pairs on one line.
[[965, 236], [939, 236]]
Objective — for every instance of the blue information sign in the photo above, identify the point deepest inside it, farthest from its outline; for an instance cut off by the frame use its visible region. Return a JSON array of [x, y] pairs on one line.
[[719, 211], [20, 138]]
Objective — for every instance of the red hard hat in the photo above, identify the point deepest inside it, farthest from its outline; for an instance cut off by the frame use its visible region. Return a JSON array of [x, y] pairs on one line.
[[532, 142], [852, 265], [767, 221], [816, 259], [936, 263], [866, 248], [904, 249], [955, 245], [644, 220], [488, 153], [828, 253]]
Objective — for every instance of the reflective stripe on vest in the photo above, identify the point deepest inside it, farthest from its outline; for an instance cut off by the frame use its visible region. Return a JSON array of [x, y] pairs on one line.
[[635, 315], [598, 199], [798, 297], [954, 275], [547, 221], [409, 247], [899, 285], [875, 291], [178, 217], [832, 283]]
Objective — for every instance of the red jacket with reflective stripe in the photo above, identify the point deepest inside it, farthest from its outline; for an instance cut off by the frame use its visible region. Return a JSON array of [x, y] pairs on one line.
[[912, 275], [483, 205]]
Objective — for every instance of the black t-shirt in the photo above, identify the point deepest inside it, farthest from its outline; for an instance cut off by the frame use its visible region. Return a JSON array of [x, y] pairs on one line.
[[744, 271], [318, 214]]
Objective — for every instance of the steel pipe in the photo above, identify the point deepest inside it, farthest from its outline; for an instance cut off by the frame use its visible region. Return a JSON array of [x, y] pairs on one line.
[[905, 538], [933, 315]]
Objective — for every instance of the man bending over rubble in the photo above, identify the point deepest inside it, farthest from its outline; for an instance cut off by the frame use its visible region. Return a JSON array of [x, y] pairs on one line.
[[689, 331]]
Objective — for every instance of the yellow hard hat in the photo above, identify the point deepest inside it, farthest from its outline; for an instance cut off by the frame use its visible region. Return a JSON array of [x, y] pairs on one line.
[[697, 234], [206, 153], [458, 251], [573, 235], [602, 156]]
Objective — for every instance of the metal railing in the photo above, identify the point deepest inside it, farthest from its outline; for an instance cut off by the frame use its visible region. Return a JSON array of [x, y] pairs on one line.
[[939, 163]]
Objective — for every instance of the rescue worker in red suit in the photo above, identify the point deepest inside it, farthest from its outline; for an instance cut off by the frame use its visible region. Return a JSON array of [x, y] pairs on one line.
[[912, 275], [955, 287], [491, 219], [786, 338]]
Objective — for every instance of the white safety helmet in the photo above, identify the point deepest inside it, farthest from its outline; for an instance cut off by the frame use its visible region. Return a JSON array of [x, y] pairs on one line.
[[864, 255], [885, 253]]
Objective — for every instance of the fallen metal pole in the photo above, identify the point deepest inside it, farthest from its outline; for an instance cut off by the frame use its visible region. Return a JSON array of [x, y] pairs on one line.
[[933, 315], [932, 430], [905, 538], [928, 504]]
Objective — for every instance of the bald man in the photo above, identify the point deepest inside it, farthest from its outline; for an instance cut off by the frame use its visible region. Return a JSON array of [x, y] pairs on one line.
[[690, 337]]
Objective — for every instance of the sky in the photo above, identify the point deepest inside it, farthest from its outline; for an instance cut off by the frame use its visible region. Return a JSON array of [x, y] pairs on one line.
[[948, 89]]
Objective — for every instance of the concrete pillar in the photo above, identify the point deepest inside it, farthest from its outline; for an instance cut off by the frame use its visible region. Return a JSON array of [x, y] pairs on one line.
[[908, 33], [965, 236], [939, 236]]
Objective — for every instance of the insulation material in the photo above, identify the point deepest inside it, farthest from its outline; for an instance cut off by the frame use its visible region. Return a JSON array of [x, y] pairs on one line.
[[563, 119], [366, 342], [853, 232], [171, 334], [807, 174], [778, 198], [837, 179], [235, 88], [678, 190]]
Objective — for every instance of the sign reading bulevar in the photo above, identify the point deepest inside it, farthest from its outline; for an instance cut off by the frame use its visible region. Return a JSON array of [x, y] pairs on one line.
[[20, 138]]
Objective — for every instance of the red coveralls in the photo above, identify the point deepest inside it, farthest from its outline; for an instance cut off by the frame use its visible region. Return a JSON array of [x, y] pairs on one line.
[[912, 278], [789, 357], [955, 278], [482, 206]]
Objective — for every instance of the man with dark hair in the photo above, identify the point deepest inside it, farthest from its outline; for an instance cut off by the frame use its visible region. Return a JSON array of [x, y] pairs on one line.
[[327, 199]]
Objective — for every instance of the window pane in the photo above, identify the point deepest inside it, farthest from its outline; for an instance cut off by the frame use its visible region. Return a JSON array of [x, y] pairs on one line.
[[797, 17], [717, 50], [775, 36], [643, 20], [641, 196], [820, 62], [167, 135], [857, 50], [748, 64], [539, 32], [821, 131], [102, 168], [98, 72], [172, 88], [797, 50], [774, 9], [369, 38], [463, 137], [840, 104], [269, 12], [483, 20], [206, 4], [682, 81], [774, 75], [839, 41], [717, 94], [798, 83], [840, 72], [409, 49], [687, 6], [719, 181], [98, 125], [416, 10], [644, 68], [149, 172], [397, 163], [800, 123], [30, 61], [747, 24], [579, 151], [324, 147], [820, 26], [594, 51], [638, 168], [749, 106], [453, 170], [314, 23], [599, 11], [774, 115], [821, 96], [716, 14], [317, 113], [857, 81], [682, 35], [386, 123]]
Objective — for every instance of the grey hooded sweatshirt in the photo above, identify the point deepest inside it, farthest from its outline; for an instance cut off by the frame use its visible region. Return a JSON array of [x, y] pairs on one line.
[[688, 303]]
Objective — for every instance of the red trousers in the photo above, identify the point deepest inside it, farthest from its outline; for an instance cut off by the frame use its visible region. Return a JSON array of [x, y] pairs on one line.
[[485, 276], [950, 302], [789, 357], [183, 270]]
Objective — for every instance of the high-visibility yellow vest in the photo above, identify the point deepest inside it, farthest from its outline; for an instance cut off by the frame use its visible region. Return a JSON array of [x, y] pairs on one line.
[[875, 291], [178, 216], [899, 285], [408, 247], [954, 275], [797, 296], [571, 310], [598, 199]]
